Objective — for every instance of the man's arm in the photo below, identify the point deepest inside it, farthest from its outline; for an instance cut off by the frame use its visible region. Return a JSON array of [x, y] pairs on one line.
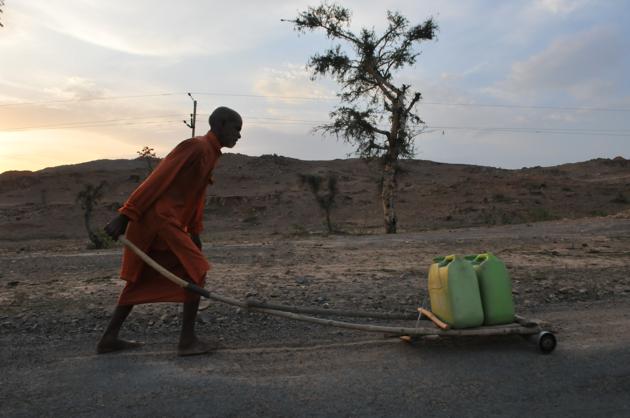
[[196, 239]]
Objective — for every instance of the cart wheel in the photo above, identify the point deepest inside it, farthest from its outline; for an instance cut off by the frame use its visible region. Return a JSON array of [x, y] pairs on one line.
[[546, 342]]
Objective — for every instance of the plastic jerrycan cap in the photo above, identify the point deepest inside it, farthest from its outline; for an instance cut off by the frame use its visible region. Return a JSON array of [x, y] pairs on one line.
[[447, 260], [481, 258]]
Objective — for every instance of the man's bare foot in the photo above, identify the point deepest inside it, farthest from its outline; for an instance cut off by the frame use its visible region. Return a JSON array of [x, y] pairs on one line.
[[196, 347], [108, 345]]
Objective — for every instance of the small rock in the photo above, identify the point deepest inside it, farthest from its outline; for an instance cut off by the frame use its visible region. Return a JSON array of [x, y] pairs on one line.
[[301, 280]]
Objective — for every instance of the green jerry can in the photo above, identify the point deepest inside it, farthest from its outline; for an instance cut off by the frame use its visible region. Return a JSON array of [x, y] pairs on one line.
[[495, 287], [454, 292]]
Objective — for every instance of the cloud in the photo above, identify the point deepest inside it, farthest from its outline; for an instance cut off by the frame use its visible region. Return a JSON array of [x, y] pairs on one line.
[[150, 28], [290, 80], [560, 7], [76, 88], [583, 66]]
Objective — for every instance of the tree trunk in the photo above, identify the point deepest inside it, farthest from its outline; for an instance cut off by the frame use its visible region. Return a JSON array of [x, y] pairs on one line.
[[87, 217], [388, 196], [328, 223]]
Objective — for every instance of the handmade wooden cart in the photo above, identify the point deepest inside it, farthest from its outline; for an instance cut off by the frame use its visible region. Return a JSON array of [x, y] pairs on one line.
[[535, 330]]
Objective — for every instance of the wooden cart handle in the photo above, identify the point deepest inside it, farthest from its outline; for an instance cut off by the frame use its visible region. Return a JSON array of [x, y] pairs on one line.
[[433, 318]]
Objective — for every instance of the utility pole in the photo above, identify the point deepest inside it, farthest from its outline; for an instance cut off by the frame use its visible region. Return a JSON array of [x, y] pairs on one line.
[[193, 115]]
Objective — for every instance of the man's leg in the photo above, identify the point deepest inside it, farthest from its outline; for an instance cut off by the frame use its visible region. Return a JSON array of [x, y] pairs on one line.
[[109, 341], [189, 344]]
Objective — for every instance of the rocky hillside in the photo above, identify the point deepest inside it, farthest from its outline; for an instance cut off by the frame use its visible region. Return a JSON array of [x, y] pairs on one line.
[[264, 195]]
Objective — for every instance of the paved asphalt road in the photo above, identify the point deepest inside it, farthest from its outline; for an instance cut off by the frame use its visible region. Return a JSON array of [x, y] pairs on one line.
[[588, 375]]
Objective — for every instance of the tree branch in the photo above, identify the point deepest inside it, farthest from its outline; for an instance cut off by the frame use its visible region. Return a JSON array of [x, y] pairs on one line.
[[416, 98]]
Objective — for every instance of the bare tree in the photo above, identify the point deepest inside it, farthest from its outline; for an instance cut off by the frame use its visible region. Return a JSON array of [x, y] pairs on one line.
[[147, 154], [325, 196], [369, 96], [1, 11], [88, 198]]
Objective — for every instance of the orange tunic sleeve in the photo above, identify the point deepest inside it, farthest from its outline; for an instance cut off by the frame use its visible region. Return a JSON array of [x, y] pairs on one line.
[[159, 180]]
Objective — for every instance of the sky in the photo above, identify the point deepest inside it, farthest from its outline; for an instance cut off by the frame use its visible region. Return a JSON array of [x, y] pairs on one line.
[[509, 84]]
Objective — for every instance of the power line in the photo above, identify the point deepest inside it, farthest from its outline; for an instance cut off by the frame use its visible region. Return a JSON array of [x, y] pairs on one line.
[[320, 98], [535, 130], [94, 124], [567, 108], [262, 120], [571, 108], [86, 99], [268, 96]]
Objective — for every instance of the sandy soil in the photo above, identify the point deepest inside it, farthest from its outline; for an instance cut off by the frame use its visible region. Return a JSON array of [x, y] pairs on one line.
[[69, 290]]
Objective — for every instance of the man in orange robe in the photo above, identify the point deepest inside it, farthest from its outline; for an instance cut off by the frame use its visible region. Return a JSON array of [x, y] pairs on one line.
[[163, 217]]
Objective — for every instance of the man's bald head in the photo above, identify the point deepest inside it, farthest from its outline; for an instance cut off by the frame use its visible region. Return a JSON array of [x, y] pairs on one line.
[[222, 114], [226, 124]]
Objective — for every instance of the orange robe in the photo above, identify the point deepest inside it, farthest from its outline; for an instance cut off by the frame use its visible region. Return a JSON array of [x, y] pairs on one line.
[[163, 211]]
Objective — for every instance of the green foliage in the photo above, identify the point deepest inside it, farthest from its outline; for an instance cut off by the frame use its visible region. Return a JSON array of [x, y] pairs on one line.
[[365, 70], [541, 214], [100, 240], [298, 230], [376, 113]]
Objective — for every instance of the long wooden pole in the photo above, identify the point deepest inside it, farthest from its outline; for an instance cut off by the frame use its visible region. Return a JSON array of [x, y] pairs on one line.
[[495, 330]]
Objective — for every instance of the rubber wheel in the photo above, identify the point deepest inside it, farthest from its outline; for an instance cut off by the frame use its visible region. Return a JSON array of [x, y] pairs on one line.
[[546, 342]]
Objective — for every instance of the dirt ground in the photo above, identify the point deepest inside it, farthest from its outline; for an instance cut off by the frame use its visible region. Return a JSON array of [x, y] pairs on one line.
[[563, 232], [56, 297]]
